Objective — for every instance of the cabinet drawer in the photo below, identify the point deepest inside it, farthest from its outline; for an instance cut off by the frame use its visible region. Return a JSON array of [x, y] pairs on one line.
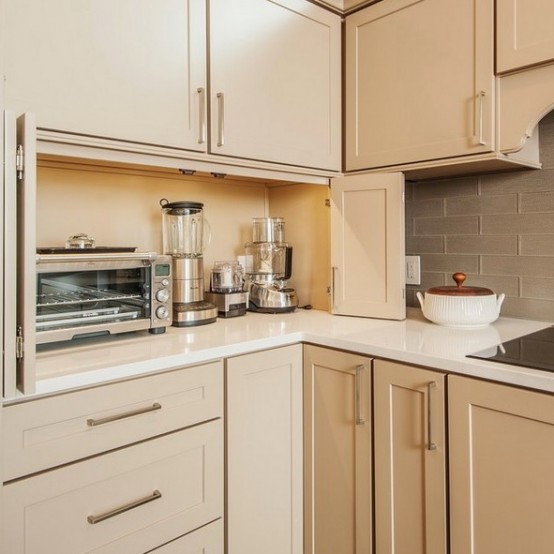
[[52, 431], [206, 540], [175, 482]]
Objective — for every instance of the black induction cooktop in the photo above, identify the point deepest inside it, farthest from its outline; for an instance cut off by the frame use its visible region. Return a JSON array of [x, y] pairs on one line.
[[535, 350]]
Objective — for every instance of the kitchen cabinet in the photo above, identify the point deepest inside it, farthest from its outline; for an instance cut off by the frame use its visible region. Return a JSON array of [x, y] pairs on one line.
[[523, 34], [264, 452], [501, 459], [275, 78], [206, 540], [410, 459], [146, 452], [419, 81], [127, 500], [134, 73], [337, 439], [135, 79], [367, 246]]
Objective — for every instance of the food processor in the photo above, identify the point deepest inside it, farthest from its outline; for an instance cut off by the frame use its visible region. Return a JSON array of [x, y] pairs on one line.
[[270, 266], [186, 234], [226, 289]]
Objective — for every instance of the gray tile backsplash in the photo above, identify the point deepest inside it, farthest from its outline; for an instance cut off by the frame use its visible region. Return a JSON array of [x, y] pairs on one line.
[[496, 228]]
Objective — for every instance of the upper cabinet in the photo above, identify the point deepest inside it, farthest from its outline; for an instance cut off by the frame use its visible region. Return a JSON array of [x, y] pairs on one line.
[[275, 82], [419, 81], [134, 71], [133, 76], [523, 33]]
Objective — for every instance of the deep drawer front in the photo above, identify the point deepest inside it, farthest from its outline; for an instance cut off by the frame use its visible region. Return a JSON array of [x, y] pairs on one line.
[[49, 432], [131, 500], [207, 540]]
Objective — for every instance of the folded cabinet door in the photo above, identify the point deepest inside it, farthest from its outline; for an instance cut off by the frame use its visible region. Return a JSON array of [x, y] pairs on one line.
[[367, 246]]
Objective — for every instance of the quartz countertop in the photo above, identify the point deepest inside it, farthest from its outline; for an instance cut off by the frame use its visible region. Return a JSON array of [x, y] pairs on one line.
[[413, 340]]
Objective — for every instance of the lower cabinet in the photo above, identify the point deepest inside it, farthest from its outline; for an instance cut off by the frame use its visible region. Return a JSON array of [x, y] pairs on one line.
[[206, 540], [410, 460], [264, 452], [130, 500], [501, 468], [337, 433]]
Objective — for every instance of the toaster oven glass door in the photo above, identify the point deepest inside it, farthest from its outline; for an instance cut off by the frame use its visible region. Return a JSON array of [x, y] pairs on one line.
[[77, 299]]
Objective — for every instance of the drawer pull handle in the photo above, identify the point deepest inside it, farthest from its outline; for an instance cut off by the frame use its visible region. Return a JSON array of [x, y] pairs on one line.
[[431, 445], [95, 422], [97, 519], [358, 395]]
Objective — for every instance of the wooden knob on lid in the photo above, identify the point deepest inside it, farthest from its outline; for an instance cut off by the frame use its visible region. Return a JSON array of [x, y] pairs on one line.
[[459, 278]]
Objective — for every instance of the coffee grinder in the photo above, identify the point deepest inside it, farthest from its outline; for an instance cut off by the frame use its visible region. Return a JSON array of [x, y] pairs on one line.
[[185, 236], [271, 267]]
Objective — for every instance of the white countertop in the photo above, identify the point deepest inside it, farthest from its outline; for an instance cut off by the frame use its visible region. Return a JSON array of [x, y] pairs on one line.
[[414, 340]]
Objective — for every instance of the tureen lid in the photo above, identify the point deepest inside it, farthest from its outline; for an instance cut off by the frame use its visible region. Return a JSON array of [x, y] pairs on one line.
[[459, 289]]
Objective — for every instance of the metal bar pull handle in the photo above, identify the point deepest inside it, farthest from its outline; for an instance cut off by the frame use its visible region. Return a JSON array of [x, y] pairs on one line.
[[107, 515], [221, 119], [201, 115], [333, 285], [358, 395], [482, 95], [431, 445], [95, 422]]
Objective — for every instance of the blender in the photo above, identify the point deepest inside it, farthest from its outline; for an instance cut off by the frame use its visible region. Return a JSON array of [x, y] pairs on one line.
[[185, 236], [270, 266]]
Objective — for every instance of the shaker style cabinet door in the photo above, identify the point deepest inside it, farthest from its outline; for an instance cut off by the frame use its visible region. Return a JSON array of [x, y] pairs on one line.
[[523, 33], [337, 452], [275, 78], [419, 81], [367, 246], [131, 70], [264, 452], [501, 468], [410, 460]]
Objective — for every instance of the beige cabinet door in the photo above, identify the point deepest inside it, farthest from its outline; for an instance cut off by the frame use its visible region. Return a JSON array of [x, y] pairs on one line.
[[523, 33], [410, 460], [501, 468], [337, 452], [367, 246], [264, 452], [419, 81], [133, 70], [275, 78]]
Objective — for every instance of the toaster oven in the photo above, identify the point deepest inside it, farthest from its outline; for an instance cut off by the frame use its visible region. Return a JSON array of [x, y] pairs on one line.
[[83, 293]]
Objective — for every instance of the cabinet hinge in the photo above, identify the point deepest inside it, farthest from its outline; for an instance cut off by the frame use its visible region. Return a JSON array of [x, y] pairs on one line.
[[19, 344], [19, 161], [327, 202]]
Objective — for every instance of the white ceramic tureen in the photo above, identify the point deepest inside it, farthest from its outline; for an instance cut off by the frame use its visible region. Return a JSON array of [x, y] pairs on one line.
[[459, 306]]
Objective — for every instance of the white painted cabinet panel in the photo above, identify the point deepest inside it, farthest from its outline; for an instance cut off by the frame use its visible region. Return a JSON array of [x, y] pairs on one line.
[[130, 500], [367, 245], [419, 81], [131, 70], [206, 540], [264, 452], [523, 33], [275, 78]]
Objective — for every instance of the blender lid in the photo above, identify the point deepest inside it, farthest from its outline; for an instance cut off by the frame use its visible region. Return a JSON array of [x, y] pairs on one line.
[[181, 205]]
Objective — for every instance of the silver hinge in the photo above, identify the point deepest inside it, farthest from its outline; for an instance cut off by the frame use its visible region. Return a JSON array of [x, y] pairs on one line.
[[19, 161], [19, 344]]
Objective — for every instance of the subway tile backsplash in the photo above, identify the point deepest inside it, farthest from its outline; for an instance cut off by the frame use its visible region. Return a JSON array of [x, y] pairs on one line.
[[496, 228]]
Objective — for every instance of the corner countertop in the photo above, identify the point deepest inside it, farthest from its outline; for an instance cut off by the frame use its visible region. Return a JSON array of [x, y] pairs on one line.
[[413, 340]]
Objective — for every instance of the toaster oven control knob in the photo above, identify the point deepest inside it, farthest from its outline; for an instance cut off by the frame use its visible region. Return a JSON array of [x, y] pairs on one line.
[[162, 312], [165, 282], [162, 295]]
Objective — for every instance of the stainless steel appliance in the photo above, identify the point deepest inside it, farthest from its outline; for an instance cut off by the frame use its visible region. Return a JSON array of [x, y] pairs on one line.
[[185, 235], [270, 259], [535, 350], [89, 292], [226, 289]]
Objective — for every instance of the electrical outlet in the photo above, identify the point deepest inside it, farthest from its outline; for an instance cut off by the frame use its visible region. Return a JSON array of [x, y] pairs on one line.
[[413, 270]]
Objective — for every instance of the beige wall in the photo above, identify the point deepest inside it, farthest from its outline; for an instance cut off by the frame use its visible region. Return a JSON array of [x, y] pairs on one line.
[[499, 229]]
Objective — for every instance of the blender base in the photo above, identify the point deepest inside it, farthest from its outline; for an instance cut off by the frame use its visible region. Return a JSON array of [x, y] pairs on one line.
[[191, 314]]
